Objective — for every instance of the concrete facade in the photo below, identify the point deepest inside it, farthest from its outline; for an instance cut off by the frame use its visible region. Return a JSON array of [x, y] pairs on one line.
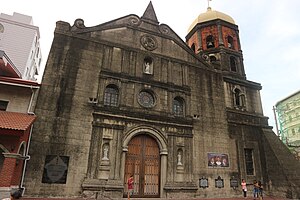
[[23, 49], [105, 86]]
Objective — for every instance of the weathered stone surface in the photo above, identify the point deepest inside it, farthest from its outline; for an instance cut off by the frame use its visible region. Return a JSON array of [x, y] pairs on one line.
[[74, 120]]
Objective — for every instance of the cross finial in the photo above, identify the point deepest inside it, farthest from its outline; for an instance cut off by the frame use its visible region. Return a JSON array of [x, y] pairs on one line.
[[208, 3]]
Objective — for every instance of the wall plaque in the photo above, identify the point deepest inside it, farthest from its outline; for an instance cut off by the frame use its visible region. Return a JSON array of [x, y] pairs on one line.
[[55, 169], [234, 183], [203, 182], [219, 182]]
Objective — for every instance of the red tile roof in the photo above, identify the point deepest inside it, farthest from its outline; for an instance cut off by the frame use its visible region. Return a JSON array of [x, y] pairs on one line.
[[7, 70], [18, 81], [15, 121]]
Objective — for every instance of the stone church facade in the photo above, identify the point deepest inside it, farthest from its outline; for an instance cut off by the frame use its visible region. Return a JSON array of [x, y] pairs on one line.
[[129, 97]]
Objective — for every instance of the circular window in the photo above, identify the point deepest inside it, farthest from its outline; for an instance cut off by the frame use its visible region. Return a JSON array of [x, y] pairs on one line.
[[146, 99]]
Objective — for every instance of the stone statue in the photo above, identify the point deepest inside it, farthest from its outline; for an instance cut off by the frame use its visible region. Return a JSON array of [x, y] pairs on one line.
[[179, 157], [147, 68], [105, 153]]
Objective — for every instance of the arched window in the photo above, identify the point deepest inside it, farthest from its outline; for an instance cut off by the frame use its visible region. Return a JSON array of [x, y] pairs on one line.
[[193, 47], [22, 149], [2, 150], [233, 67], [230, 42], [111, 95], [178, 106], [210, 42], [239, 98]]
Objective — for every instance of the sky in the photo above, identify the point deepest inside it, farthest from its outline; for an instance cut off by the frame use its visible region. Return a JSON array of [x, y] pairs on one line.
[[269, 32]]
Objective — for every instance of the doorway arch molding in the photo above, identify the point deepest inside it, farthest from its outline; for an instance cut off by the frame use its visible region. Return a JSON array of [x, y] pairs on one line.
[[148, 130]]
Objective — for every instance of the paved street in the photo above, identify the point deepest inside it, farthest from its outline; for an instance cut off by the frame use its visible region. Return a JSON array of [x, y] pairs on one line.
[[248, 198]]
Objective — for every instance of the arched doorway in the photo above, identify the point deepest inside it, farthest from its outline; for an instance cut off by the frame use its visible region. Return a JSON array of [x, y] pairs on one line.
[[143, 162]]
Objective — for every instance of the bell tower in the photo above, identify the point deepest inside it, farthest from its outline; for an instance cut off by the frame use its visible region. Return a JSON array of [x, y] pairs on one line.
[[215, 37]]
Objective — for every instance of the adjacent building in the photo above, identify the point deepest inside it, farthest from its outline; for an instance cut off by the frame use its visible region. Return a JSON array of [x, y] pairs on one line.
[[20, 40], [20, 59], [288, 113], [130, 98]]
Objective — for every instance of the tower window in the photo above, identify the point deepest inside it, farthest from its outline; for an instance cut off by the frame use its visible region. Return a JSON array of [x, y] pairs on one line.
[[249, 161], [230, 42], [210, 42], [193, 47], [111, 95], [178, 106], [233, 64], [239, 98]]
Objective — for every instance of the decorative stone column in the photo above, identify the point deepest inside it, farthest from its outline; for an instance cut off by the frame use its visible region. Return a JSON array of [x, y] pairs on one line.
[[163, 170]]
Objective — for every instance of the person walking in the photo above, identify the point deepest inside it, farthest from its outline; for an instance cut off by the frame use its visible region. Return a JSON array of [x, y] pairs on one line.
[[130, 182], [244, 188]]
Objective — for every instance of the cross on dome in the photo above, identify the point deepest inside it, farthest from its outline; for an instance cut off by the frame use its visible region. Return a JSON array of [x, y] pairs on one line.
[[208, 3]]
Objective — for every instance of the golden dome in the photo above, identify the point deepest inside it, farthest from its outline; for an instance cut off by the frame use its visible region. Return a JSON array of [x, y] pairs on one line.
[[211, 15]]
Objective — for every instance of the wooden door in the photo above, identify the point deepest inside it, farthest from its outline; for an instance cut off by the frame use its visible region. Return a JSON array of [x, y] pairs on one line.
[[143, 162]]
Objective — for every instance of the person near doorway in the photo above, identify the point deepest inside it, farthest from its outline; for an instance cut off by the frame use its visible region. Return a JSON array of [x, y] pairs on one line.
[[244, 188], [260, 190], [255, 189], [130, 182]]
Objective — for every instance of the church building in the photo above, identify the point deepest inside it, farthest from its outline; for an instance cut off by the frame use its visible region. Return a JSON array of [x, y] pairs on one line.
[[130, 97]]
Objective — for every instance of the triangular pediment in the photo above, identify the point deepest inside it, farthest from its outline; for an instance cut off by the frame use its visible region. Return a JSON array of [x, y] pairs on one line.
[[125, 25]]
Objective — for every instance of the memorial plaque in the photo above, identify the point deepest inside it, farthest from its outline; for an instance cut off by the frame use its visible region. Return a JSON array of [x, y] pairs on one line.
[[203, 182], [219, 183], [55, 169], [234, 183]]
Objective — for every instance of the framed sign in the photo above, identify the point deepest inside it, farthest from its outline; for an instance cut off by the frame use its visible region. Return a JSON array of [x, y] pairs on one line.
[[217, 160]]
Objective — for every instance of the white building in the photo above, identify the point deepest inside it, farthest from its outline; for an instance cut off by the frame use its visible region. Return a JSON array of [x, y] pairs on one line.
[[288, 112], [19, 39]]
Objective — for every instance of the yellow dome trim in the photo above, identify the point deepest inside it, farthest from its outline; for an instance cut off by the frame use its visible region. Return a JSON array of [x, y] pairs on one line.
[[210, 15]]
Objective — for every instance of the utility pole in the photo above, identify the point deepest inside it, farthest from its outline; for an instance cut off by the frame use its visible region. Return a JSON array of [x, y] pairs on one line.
[[274, 110]]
